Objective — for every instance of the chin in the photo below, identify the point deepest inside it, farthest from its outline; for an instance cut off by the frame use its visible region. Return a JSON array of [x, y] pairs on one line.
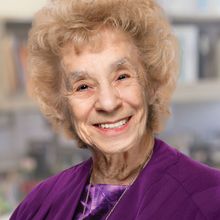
[[115, 147]]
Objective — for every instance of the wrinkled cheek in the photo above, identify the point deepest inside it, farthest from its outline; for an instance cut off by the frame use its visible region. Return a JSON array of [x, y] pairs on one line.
[[83, 133]]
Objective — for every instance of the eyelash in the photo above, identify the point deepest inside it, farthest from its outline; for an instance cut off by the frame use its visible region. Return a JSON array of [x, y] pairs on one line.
[[82, 87], [85, 87], [124, 75]]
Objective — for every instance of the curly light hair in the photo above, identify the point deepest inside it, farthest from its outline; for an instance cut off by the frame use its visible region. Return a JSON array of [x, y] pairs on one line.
[[64, 21]]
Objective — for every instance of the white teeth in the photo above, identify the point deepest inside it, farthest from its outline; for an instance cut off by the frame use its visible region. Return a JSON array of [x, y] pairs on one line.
[[115, 125]]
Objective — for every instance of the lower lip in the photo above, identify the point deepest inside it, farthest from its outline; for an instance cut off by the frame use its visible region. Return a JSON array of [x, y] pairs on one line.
[[113, 131]]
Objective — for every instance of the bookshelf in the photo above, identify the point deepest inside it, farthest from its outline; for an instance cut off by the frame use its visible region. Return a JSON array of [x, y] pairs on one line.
[[15, 21], [201, 89], [20, 103], [197, 26], [202, 15], [13, 55], [205, 87], [195, 18], [205, 90], [24, 128]]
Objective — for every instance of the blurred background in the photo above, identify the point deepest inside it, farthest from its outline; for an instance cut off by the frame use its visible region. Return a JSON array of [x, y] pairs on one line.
[[29, 149]]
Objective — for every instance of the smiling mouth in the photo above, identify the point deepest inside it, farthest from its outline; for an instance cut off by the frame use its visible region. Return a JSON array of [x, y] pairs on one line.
[[114, 125]]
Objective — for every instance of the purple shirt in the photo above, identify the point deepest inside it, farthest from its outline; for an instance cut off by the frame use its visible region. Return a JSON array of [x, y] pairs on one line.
[[172, 186], [101, 199]]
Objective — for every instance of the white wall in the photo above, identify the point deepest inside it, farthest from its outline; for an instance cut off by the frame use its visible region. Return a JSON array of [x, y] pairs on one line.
[[21, 9]]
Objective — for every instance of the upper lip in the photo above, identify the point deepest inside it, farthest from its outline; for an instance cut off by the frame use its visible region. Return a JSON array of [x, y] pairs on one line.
[[112, 122]]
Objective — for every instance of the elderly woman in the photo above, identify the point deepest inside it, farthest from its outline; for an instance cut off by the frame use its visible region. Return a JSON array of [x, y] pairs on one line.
[[104, 71]]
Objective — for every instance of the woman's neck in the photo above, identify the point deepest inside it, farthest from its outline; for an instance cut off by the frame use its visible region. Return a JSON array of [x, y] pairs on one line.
[[121, 168]]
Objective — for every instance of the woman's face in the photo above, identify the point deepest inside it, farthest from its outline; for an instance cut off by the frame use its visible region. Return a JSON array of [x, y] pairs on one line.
[[107, 100]]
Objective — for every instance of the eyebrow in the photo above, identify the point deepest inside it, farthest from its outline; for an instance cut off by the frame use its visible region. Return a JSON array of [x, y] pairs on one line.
[[125, 61], [81, 74], [78, 75], [73, 77]]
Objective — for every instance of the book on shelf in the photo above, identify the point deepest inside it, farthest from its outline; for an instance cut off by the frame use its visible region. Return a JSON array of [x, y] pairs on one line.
[[14, 71], [20, 59], [217, 58], [8, 84], [2, 76], [187, 36], [209, 52]]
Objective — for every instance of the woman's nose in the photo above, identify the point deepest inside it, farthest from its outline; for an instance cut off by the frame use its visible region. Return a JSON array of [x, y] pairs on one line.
[[108, 99]]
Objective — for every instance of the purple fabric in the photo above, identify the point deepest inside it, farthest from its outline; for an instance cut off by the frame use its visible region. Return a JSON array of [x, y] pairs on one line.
[[172, 186], [101, 200]]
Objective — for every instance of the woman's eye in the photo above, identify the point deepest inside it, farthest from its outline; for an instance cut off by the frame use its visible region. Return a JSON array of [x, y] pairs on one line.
[[123, 76], [82, 87]]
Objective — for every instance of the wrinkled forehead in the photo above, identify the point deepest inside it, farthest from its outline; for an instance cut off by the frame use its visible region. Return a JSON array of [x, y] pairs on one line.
[[95, 41], [107, 49]]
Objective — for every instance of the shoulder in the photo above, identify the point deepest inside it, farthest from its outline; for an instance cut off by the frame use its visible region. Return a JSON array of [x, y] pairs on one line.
[[199, 181], [49, 187], [59, 180], [186, 170]]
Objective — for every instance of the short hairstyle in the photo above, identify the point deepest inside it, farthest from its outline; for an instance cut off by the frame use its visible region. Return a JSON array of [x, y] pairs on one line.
[[63, 21]]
